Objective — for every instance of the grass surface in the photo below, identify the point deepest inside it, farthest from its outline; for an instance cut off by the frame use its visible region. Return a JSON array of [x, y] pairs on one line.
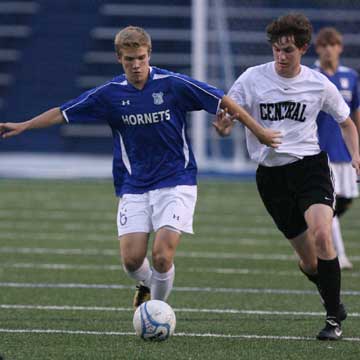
[[238, 293]]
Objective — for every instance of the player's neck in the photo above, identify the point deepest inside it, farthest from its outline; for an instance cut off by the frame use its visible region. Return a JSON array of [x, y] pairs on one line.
[[288, 72], [329, 67]]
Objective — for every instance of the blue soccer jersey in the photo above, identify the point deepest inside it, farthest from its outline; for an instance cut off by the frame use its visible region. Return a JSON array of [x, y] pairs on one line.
[[150, 142], [330, 137]]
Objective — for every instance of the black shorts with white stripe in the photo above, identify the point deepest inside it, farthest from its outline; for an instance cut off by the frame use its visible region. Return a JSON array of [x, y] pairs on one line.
[[288, 191]]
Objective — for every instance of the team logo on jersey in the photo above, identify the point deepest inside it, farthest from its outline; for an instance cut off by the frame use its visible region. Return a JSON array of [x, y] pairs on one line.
[[125, 102], [344, 83], [158, 98]]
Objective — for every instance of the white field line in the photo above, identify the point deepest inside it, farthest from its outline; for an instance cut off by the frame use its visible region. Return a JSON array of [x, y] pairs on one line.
[[93, 215], [87, 227], [110, 238], [178, 310], [205, 335], [180, 289], [222, 271], [101, 237], [187, 254]]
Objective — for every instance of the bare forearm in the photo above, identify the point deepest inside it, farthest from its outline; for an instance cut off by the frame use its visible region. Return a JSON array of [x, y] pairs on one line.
[[46, 119], [243, 116], [265, 136], [351, 137], [356, 118]]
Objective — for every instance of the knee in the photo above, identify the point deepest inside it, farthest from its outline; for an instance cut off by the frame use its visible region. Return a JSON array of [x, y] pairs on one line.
[[131, 264], [162, 261], [323, 239]]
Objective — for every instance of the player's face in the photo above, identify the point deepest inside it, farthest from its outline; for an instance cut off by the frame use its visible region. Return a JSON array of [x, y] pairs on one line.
[[329, 52], [136, 65], [287, 56]]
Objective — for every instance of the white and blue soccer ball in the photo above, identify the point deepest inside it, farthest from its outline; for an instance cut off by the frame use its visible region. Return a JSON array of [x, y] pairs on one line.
[[154, 320]]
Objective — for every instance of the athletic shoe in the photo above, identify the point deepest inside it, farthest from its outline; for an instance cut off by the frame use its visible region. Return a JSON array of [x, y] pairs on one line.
[[142, 294], [345, 263], [331, 331]]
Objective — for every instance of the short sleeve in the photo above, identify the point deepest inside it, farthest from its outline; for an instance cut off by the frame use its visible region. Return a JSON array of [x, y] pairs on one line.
[[334, 104], [87, 108], [237, 91], [195, 95]]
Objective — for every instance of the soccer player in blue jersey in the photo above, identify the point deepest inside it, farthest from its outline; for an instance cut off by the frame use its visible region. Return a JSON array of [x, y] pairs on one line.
[[154, 167], [329, 46]]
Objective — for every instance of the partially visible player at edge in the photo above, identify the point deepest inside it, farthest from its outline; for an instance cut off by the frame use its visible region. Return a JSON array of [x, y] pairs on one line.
[[154, 168], [294, 179], [329, 46]]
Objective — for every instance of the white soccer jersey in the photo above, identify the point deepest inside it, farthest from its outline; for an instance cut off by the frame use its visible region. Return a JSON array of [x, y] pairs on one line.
[[290, 105]]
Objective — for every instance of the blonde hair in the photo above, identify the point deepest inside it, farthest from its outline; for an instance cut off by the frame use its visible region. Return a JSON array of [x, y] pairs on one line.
[[328, 35], [132, 37]]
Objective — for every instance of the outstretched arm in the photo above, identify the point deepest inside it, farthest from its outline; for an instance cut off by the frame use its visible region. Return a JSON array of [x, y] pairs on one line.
[[46, 119], [224, 123], [351, 139]]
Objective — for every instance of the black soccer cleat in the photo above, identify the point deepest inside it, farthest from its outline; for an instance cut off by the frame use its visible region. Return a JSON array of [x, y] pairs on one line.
[[331, 331], [142, 294]]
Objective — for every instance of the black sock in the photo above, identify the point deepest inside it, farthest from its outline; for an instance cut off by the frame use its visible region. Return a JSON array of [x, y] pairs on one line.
[[329, 279], [314, 278]]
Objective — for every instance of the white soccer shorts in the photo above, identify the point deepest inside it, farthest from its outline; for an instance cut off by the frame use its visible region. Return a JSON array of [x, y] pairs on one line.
[[345, 180], [171, 206]]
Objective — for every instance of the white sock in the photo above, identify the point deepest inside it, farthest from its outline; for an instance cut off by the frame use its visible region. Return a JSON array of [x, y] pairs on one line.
[[143, 273], [162, 284], [337, 237]]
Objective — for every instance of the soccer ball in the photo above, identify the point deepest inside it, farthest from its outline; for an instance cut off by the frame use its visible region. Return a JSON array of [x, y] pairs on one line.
[[154, 320]]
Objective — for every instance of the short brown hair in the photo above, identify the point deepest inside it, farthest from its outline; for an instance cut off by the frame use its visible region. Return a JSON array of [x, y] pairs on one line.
[[328, 35], [296, 25], [132, 37]]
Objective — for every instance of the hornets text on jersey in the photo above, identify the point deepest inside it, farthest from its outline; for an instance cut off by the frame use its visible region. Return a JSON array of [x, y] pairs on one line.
[[149, 128]]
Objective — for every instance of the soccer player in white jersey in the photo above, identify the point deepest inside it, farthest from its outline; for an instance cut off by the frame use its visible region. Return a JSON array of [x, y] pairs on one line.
[[294, 179], [329, 46], [154, 168]]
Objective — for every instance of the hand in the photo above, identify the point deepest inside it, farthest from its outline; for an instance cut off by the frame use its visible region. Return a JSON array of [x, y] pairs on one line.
[[224, 122], [270, 137], [10, 129], [356, 165]]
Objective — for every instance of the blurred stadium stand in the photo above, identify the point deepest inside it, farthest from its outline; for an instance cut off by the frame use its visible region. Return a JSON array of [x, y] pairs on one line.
[[52, 50]]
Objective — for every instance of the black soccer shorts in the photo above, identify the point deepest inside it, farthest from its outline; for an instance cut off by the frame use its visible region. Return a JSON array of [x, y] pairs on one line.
[[288, 191]]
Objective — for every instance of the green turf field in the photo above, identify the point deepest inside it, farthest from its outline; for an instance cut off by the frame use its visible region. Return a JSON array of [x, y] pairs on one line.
[[238, 293]]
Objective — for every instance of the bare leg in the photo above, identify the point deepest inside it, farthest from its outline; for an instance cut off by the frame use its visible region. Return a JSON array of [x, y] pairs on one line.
[[133, 248], [163, 253]]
